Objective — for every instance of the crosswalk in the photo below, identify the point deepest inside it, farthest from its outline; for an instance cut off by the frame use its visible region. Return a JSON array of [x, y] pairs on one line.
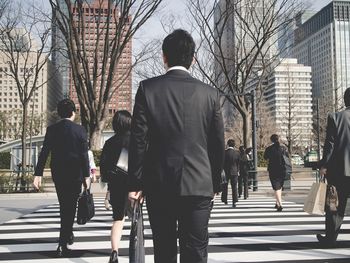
[[251, 232]]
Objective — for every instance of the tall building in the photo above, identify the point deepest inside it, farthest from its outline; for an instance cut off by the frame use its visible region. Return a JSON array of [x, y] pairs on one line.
[[44, 99], [323, 42], [238, 41], [95, 14], [288, 102]]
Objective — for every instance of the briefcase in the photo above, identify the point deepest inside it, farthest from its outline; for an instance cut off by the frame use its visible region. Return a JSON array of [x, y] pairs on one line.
[[86, 207], [136, 244]]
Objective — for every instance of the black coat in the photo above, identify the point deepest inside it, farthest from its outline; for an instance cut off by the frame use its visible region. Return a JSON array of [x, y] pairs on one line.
[[177, 137], [231, 166], [336, 151], [67, 143], [273, 154], [111, 151]]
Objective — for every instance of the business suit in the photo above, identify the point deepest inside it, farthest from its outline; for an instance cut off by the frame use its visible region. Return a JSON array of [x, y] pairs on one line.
[[67, 143], [276, 166], [176, 156], [336, 159], [231, 167], [243, 175]]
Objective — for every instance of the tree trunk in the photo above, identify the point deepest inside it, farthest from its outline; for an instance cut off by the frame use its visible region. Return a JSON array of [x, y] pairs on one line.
[[24, 144], [95, 136]]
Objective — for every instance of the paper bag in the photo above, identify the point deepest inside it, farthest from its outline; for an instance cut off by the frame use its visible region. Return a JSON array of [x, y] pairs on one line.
[[315, 201]]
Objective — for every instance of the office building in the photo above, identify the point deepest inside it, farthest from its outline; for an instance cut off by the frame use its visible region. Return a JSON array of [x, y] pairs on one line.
[[97, 10], [288, 102], [323, 42]]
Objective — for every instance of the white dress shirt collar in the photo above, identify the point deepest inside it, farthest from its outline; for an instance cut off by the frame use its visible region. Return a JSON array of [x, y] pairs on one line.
[[178, 68]]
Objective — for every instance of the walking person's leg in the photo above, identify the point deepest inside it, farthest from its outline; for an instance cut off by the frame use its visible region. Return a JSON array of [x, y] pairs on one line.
[[193, 229], [162, 217], [118, 199], [245, 186], [240, 185], [224, 193], [234, 182]]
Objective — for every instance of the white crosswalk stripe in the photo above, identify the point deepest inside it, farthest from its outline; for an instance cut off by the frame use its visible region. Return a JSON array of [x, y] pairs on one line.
[[251, 232]]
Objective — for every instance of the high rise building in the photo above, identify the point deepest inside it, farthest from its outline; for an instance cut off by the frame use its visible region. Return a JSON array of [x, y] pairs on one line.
[[288, 102], [95, 33], [44, 99], [323, 42], [238, 39]]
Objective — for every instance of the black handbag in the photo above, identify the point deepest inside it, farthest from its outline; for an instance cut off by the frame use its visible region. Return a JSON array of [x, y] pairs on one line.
[[136, 244], [86, 207]]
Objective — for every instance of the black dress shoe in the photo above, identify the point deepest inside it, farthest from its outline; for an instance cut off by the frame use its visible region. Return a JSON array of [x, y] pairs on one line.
[[279, 209], [114, 257], [325, 242], [233, 205], [276, 206], [71, 239], [62, 251]]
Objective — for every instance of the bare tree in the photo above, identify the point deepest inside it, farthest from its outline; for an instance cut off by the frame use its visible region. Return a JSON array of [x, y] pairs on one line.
[[93, 67], [25, 51], [239, 38]]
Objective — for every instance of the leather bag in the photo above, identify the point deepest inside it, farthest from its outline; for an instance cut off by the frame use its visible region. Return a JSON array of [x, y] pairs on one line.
[[86, 207], [332, 200]]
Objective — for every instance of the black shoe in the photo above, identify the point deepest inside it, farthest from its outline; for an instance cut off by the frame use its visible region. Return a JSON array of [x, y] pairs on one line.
[[276, 206], [233, 205], [325, 242], [62, 251], [279, 209], [71, 239], [114, 257]]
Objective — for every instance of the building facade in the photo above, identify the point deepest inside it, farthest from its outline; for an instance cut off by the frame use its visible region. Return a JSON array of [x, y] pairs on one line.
[[95, 14], [43, 103], [288, 102], [323, 42]]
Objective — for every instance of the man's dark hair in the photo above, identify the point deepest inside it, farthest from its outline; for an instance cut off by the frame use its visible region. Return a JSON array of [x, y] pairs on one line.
[[231, 143], [121, 121], [65, 108], [274, 138], [178, 48], [347, 97]]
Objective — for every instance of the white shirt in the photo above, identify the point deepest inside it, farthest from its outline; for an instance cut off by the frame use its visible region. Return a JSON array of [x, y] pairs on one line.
[[178, 68]]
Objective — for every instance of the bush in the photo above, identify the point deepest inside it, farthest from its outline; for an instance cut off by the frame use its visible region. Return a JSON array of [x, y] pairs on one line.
[[261, 161], [5, 160], [97, 156]]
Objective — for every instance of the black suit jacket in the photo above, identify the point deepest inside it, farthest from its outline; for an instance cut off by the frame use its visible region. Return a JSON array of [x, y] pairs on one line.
[[231, 166], [336, 151], [67, 143], [177, 137], [273, 154]]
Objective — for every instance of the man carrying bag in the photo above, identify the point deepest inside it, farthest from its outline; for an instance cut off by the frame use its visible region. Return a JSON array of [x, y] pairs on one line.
[[335, 167]]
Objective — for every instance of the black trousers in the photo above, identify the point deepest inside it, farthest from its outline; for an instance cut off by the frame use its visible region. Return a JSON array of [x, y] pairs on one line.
[[233, 180], [243, 185], [185, 218], [334, 220], [67, 194]]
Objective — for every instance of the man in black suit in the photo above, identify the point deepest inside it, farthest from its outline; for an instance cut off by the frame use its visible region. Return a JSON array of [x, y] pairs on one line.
[[176, 153], [231, 168], [335, 166], [67, 143]]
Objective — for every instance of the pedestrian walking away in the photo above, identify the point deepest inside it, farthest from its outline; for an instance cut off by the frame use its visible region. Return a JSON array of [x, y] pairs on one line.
[[335, 167], [277, 168], [243, 173], [117, 181], [231, 167], [177, 153], [67, 143]]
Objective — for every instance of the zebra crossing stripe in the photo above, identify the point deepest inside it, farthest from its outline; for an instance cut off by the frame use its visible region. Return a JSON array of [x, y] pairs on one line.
[[252, 232]]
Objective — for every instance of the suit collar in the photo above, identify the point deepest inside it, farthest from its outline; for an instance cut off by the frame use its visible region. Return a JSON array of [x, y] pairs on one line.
[[178, 73]]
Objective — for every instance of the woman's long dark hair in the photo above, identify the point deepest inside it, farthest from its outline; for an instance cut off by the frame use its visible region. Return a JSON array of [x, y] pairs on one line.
[[121, 121], [275, 139]]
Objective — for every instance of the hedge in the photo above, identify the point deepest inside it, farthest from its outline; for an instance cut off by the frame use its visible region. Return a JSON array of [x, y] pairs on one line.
[[5, 160]]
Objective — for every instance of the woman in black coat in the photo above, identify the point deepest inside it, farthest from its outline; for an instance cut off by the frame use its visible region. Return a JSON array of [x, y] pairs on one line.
[[276, 167], [117, 182]]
